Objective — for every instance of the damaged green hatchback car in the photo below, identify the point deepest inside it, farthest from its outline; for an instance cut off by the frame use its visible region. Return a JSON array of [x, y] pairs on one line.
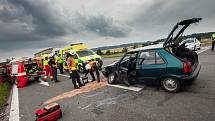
[[168, 65]]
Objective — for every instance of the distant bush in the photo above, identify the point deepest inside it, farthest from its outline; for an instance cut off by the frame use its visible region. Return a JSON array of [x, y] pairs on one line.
[[108, 52], [124, 50], [99, 52]]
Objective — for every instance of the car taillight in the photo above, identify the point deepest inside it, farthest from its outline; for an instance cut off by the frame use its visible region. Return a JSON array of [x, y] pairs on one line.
[[187, 67]]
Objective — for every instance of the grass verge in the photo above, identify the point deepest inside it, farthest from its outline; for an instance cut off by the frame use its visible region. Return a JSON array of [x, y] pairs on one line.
[[4, 92]]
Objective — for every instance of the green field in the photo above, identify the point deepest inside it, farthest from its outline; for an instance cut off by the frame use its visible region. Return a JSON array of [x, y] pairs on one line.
[[4, 92]]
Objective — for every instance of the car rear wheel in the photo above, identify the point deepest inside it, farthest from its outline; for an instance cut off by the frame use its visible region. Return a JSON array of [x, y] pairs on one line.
[[171, 85], [111, 78]]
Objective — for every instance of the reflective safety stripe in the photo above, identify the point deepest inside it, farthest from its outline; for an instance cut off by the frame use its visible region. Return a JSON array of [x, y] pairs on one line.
[[21, 74], [59, 59], [45, 62]]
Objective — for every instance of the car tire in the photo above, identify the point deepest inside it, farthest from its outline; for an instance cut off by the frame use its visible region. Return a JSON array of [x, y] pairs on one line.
[[111, 78], [170, 84]]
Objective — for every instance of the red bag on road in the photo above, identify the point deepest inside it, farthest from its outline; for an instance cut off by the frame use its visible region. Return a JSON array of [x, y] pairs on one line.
[[22, 81]]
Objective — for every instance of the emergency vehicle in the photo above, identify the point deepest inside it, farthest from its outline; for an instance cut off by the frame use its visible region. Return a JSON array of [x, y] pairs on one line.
[[83, 53], [24, 70]]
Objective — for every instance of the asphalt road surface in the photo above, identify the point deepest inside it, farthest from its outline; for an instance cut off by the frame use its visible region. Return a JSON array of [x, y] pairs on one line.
[[108, 103]]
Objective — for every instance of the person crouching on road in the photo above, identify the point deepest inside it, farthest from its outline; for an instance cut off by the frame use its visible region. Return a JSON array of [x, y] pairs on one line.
[[47, 69], [72, 63], [90, 68], [53, 66]]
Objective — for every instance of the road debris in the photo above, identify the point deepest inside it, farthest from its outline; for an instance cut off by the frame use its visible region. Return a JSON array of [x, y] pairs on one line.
[[87, 88]]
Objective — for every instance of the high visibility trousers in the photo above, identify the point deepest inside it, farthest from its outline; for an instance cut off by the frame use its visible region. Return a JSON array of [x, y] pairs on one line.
[[48, 72]]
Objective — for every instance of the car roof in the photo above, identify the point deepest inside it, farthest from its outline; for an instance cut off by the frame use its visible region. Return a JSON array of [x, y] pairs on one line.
[[157, 46]]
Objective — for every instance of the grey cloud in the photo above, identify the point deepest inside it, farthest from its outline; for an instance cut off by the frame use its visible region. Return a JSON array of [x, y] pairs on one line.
[[42, 23], [162, 12], [46, 20], [26, 21], [159, 16], [165, 11], [106, 27]]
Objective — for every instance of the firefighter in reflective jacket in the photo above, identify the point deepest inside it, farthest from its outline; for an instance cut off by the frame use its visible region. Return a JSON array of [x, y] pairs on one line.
[[47, 69], [72, 64], [213, 41]]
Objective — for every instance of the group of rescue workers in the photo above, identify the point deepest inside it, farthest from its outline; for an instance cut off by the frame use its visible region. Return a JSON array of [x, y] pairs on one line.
[[56, 62]]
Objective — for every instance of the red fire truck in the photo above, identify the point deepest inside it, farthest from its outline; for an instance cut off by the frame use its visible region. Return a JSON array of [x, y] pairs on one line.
[[23, 71]]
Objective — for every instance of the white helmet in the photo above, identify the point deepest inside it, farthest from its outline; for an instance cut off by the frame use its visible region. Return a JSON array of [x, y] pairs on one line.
[[73, 52], [88, 67]]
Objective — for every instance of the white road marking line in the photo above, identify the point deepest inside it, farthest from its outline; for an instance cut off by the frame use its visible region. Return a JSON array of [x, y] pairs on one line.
[[132, 88], [43, 82], [14, 109], [63, 75]]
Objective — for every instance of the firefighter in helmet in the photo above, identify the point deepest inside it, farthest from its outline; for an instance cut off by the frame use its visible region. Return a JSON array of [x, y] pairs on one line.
[[72, 64]]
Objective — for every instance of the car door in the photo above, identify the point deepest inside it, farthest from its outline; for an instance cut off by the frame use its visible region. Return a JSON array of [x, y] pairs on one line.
[[150, 66], [124, 68]]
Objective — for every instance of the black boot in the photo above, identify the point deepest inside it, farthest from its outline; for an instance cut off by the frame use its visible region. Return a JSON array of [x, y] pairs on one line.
[[75, 85]]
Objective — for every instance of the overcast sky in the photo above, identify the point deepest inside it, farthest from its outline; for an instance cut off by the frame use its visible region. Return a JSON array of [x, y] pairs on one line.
[[27, 26]]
